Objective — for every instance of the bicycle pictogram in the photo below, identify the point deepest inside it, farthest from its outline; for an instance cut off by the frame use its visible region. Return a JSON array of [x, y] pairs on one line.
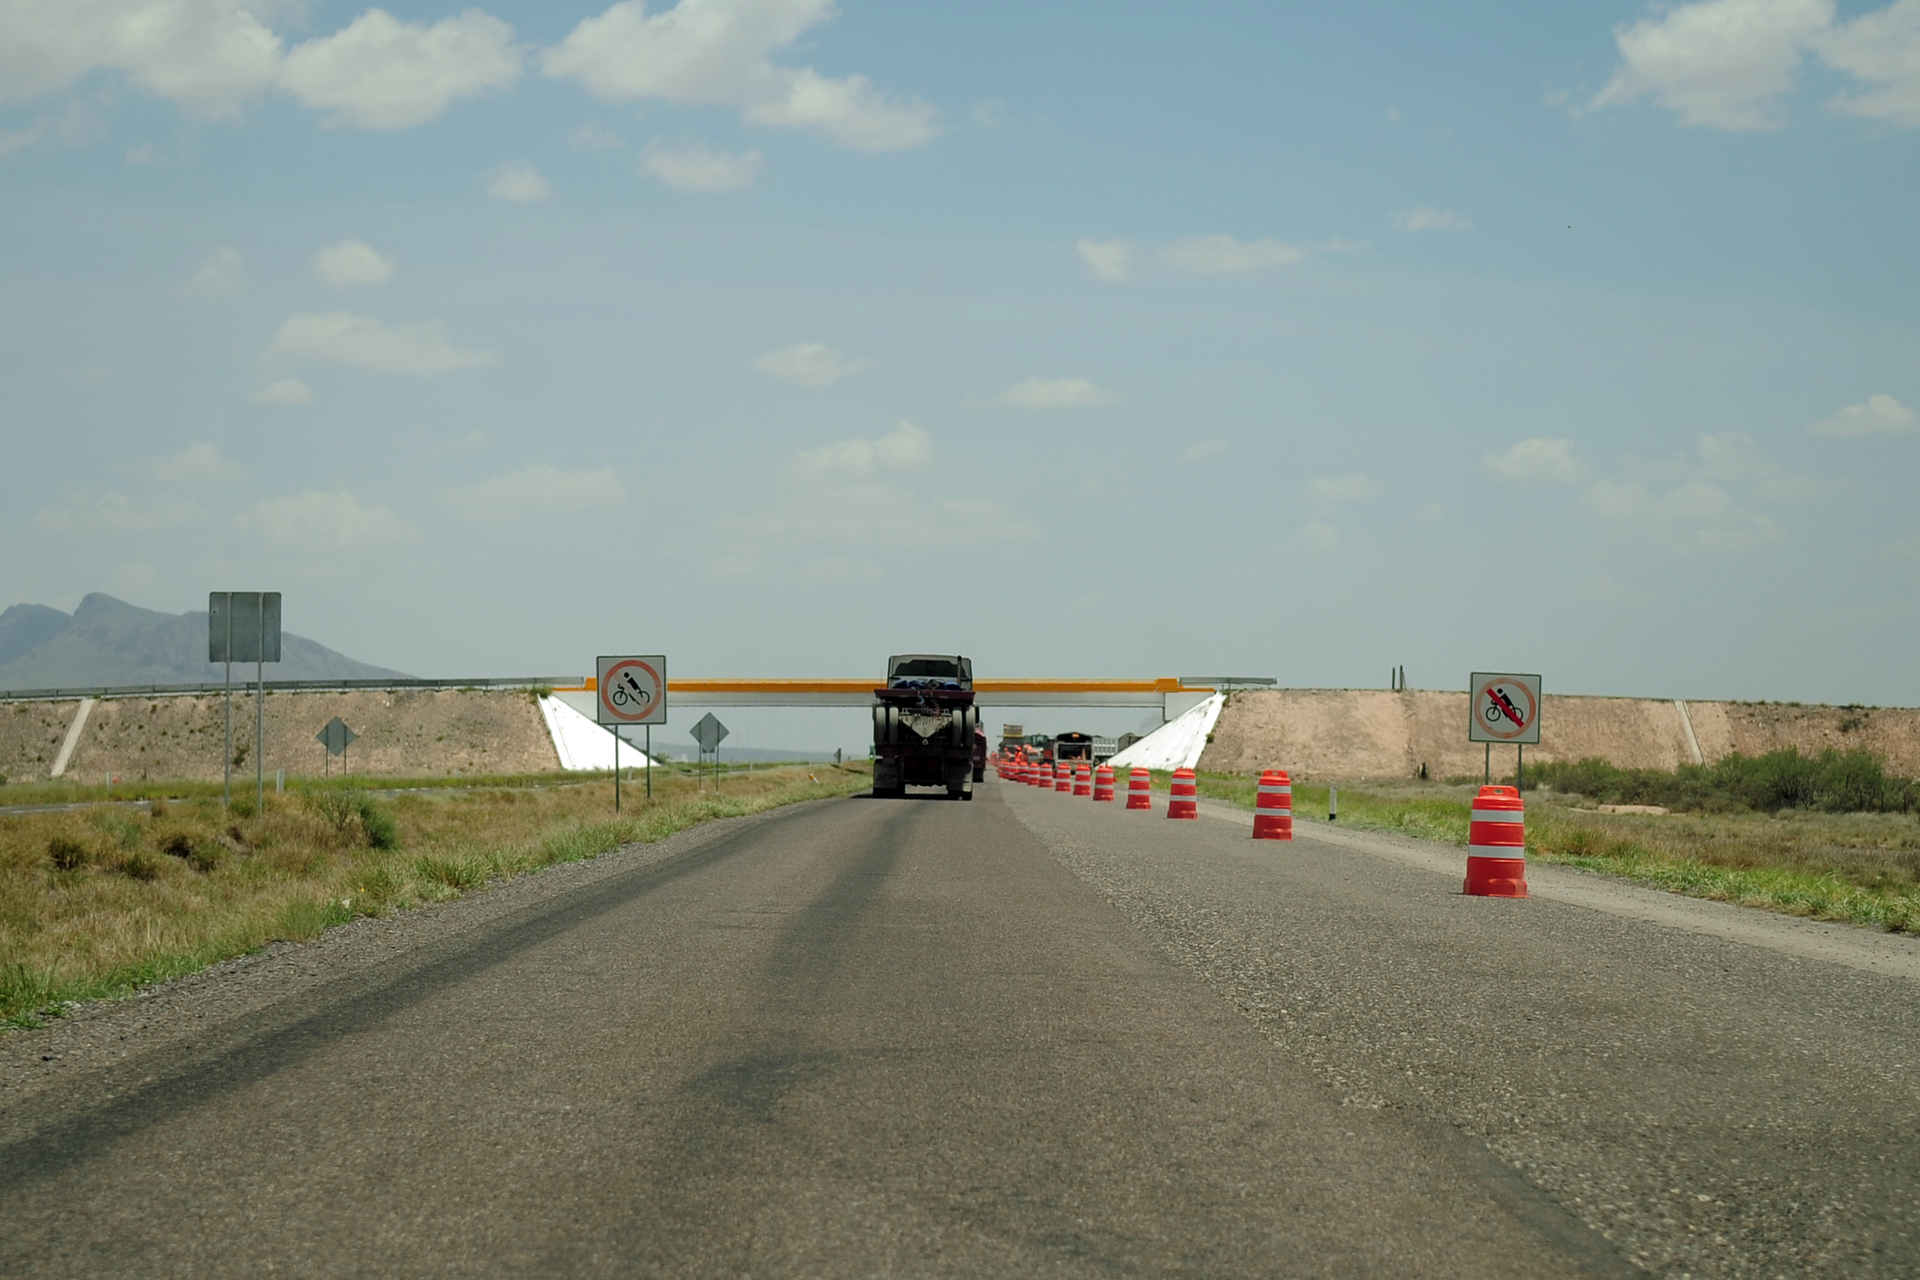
[[633, 690], [1505, 709]]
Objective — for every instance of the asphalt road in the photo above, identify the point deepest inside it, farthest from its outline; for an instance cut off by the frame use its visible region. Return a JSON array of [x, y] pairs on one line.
[[859, 1038]]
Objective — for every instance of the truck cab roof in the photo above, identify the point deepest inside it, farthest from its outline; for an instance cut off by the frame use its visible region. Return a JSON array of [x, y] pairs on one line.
[[929, 671]]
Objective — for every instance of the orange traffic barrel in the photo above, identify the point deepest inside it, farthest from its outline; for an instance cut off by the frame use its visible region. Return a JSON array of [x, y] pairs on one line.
[[1185, 801], [1103, 782], [1140, 789], [1083, 779], [1273, 806], [1497, 845]]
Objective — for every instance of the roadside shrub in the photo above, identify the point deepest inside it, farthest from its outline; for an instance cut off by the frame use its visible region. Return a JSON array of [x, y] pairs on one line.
[[1834, 781], [358, 818], [66, 853], [157, 807], [139, 866], [451, 873]]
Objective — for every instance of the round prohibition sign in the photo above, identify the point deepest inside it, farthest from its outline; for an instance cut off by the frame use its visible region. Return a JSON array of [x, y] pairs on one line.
[[631, 690], [1505, 708]]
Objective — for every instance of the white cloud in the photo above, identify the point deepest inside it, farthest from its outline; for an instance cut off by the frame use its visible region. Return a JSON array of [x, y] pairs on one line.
[[1538, 459], [214, 57], [593, 138], [906, 448], [77, 126], [1695, 516], [1719, 64], [380, 73], [284, 391], [853, 494], [988, 113], [1054, 393], [809, 364], [340, 336], [1342, 246], [81, 511], [1202, 450], [1224, 255], [1881, 415], [539, 488], [718, 53], [1110, 260], [351, 263], [1882, 49], [208, 56], [1345, 488], [1423, 218], [698, 168], [200, 463], [1731, 457], [1313, 536], [518, 182], [221, 271], [325, 522]]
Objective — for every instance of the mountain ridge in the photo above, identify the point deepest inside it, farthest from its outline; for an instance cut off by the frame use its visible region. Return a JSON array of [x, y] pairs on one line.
[[106, 641]]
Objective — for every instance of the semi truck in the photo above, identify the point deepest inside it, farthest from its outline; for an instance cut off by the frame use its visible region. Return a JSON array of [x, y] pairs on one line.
[[926, 730]]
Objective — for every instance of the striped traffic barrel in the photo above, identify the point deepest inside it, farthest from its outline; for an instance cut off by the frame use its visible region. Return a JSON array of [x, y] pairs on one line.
[[1185, 800], [1062, 776], [1497, 845], [1083, 779], [1273, 806], [1103, 782], [1140, 790]]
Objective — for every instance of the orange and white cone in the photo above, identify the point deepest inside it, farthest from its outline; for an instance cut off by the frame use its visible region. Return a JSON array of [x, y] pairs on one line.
[[1273, 806], [1103, 782], [1083, 780], [1497, 845], [1140, 790], [1185, 800]]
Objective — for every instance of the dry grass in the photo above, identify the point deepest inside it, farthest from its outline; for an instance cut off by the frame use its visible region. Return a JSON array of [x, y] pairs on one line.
[[1863, 868], [104, 900]]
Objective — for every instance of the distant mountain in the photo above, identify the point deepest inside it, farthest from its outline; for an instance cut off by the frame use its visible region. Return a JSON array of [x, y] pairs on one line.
[[108, 642]]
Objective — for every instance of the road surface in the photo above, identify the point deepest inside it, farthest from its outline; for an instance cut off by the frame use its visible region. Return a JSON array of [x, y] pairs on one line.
[[1024, 1035]]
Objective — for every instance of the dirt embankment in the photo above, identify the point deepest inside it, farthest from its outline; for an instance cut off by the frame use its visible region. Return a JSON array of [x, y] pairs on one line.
[[401, 732], [1372, 733]]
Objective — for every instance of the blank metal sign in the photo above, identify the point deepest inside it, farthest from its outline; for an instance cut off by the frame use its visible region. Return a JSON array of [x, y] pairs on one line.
[[243, 626]]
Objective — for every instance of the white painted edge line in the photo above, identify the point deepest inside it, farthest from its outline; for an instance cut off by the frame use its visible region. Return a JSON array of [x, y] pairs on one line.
[[72, 740], [1893, 955]]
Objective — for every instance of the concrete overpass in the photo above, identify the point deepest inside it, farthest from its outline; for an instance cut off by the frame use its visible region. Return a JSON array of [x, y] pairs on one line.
[[1171, 695]]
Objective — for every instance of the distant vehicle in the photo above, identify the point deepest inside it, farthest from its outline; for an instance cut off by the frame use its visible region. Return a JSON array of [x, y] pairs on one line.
[[1071, 746], [926, 730]]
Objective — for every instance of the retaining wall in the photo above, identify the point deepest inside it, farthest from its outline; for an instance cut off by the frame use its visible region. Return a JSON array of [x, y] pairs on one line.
[[419, 732], [1371, 733]]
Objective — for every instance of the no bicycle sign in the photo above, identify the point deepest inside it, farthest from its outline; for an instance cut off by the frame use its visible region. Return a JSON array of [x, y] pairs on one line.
[[1505, 708], [632, 690]]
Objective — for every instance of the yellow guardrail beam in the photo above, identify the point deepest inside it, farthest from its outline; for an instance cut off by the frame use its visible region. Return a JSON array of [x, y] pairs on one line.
[[689, 688]]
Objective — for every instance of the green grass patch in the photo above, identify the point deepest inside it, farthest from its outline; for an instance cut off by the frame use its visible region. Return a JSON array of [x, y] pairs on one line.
[[1859, 868], [97, 903]]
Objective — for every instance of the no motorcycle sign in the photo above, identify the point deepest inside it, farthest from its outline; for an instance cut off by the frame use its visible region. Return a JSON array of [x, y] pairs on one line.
[[1505, 708], [632, 690]]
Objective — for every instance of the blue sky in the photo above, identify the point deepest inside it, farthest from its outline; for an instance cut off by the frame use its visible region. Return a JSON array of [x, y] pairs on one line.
[[779, 336]]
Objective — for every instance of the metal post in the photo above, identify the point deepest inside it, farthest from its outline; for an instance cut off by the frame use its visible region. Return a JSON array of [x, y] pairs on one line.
[[1488, 779], [1519, 766], [649, 762], [1333, 804], [226, 786], [260, 729], [616, 769]]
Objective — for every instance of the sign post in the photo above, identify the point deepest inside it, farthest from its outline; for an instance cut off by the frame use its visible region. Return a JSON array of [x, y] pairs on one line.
[[244, 626], [336, 738], [1504, 708], [631, 690], [709, 733]]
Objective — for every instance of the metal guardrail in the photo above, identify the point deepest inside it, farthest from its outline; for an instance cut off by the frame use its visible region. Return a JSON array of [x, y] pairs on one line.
[[394, 684]]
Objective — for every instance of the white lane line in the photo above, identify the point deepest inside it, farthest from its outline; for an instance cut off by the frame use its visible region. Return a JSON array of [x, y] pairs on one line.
[[1894, 955]]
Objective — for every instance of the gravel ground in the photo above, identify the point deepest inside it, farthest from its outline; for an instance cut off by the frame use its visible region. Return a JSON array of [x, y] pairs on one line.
[[1713, 1106]]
